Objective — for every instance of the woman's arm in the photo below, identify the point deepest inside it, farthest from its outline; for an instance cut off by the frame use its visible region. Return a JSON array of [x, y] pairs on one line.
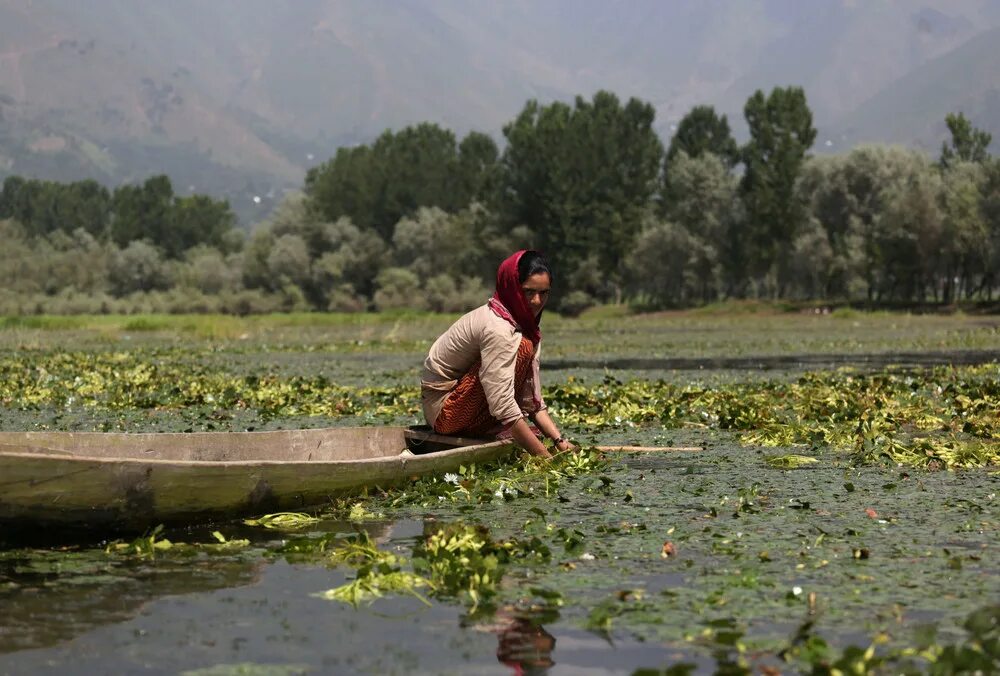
[[549, 429], [527, 440]]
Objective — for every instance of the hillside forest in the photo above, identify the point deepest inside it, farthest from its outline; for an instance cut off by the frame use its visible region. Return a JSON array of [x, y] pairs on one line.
[[419, 218]]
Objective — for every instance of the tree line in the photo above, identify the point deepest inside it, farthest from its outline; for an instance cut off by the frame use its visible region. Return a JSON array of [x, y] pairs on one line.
[[419, 219]]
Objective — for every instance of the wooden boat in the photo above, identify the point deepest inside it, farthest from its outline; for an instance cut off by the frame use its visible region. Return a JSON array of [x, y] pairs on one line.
[[134, 481]]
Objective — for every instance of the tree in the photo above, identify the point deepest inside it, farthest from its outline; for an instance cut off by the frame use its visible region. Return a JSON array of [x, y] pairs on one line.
[[10, 199], [138, 267], [492, 241], [17, 261], [444, 294], [853, 198], [174, 224], [418, 166], [478, 169], [346, 185], [142, 212], [22, 200], [208, 271], [529, 167], [582, 179], [781, 134], [813, 267], [659, 264], [349, 264], [76, 261], [968, 144], [432, 242], [43, 207], [913, 236], [707, 206], [337, 261], [91, 208], [399, 289], [965, 253], [704, 131], [197, 220], [991, 213], [256, 274], [289, 262]]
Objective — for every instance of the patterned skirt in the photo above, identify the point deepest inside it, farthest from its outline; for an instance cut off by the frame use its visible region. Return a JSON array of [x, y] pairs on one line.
[[466, 412]]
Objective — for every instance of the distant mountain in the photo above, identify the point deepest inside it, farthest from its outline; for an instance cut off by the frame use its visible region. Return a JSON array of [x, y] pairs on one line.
[[912, 109], [238, 97]]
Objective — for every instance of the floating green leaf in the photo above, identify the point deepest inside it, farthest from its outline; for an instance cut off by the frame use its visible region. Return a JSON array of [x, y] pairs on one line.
[[283, 520], [790, 461]]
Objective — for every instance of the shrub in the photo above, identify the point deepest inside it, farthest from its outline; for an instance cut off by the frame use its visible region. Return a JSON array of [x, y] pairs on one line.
[[398, 289], [249, 302], [345, 299], [138, 267]]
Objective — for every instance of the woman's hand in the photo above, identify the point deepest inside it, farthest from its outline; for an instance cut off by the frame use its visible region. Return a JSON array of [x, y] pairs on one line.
[[565, 445], [527, 440], [548, 427]]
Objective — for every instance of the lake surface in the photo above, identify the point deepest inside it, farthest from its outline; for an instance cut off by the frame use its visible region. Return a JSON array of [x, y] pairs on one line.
[[768, 567], [752, 543]]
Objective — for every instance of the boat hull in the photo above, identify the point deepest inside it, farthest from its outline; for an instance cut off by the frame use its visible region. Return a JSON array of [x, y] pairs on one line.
[[43, 485]]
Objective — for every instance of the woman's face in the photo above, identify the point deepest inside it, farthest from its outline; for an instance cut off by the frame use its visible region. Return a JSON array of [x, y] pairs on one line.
[[536, 291]]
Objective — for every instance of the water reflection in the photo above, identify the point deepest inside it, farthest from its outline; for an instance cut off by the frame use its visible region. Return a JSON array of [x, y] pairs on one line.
[[46, 601], [523, 644], [525, 647], [53, 594]]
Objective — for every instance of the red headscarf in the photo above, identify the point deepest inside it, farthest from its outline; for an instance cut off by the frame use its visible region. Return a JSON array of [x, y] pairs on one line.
[[508, 301]]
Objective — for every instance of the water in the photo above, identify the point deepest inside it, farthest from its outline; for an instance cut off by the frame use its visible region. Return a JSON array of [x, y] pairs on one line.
[[765, 559], [794, 362], [746, 536], [229, 612]]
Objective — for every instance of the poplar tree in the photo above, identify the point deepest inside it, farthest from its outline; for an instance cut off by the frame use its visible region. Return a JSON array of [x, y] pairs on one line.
[[419, 166], [968, 144], [781, 133], [582, 179], [702, 130]]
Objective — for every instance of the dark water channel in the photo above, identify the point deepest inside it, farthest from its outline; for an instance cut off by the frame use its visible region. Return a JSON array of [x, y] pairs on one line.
[[783, 362]]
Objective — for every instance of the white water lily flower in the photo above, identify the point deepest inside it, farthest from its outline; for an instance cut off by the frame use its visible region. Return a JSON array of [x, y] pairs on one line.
[[587, 556], [451, 478], [499, 493], [797, 591]]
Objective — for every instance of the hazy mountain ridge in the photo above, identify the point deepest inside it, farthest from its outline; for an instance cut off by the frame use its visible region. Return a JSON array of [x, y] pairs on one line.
[[238, 97], [966, 79]]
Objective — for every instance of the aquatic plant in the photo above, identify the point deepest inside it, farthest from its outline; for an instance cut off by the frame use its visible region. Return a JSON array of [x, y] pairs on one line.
[[146, 545], [283, 520], [377, 573], [943, 417]]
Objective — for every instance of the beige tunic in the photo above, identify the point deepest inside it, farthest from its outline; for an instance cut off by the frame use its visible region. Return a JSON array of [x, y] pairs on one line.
[[480, 334]]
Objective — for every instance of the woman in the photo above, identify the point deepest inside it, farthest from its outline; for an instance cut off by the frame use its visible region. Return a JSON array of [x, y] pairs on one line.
[[481, 376]]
